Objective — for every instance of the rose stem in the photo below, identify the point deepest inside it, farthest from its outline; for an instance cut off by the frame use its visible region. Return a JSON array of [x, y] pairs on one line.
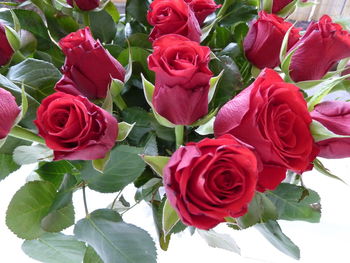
[[86, 19], [85, 203], [25, 134], [179, 135]]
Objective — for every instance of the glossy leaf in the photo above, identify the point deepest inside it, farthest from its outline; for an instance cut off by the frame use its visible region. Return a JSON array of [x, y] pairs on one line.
[[170, 218]]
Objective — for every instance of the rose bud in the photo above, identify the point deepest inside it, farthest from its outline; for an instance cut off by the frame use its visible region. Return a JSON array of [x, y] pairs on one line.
[[85, 5], [263, 43], [210, 180], [202, 8], [74, 128], [173, 17], [8, 112], [182, 79], [6, 50], [323, 45], [278, 5], [272, 116], [89, 67], [335, 116]]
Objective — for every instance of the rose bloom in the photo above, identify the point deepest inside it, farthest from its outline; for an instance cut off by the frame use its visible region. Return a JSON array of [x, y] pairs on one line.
[[323, 45], [202, 8], [182, 79], [8, 112], [85, 5], [278, 5], [173, 17], [89, 67], [335, 116], [271, 115], [210, 180], [74, 128], [6, 50], [263, 43]]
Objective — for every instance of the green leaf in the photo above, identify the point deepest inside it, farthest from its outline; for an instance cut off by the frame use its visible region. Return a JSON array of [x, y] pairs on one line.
[[323, 170], [273, 233], [124, 130], [32, 154], [137, 9], [291, 205], [284, 47], [112, 10], [170, 218], [127, 165], [55, 248], [38, 77], [91, 256], [12, 38], [59, 219], [217, 240], [213, 85], [320, 132], [148, 191], [114, 240], [102, 26], [27, 207], [157, 163]]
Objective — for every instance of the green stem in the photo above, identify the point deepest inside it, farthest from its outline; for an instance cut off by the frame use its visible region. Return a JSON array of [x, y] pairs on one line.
[[86, 19], [25, 134], [118, 100], [225, 6], [179, 135], [85, 203]]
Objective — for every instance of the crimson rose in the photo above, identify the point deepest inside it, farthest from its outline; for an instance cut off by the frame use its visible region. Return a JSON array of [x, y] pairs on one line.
[[210, 180], [89, 67], [263, 43], [6, 50], [271, 115], [182, 78], [8, 112], [173, 17], [202, 8], [323, 37], [85, 5], [75, 128]]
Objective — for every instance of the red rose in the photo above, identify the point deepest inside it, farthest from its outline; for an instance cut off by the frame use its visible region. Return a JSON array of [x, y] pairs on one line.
[[278, 5], [6, 50], [263, 43], [89, 67], [182, 78], [8, 112], [75, 128], [271, 115], [323, 44], [202, 8], [210, 180], [85, 5], [335, 116], [173, 17]]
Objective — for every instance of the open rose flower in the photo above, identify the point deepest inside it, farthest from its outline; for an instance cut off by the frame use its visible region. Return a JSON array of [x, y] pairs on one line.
[[202, 8], [210, 180], [335, 116], [323, 44], [85, 5], [8, 112], [182, 79], [75, 128], [271, 115], [89, 67], [173, 17], [6, 50], [263, 43]]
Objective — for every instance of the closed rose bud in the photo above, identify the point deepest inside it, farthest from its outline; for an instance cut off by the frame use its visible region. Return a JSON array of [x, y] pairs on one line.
[[202, 8], [89, 67], [278, 5], [335, 116], [74, 128], [263, 43], [210, 180], [173, 17], [85, 5], [182, 79], [8, 112], [323, 45], [271, 116], [6, 50]]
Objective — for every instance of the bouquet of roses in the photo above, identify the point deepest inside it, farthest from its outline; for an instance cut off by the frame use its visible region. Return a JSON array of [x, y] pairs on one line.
[[213, 110]]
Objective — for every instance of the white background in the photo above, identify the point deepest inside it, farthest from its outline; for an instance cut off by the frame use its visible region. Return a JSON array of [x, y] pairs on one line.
[[328, 241]]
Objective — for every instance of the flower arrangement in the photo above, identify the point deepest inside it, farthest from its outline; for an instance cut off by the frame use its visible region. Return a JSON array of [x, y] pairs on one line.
[[213, 110]]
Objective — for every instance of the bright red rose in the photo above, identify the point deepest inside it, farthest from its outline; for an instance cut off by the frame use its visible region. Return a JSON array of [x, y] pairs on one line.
[[85, 5], [323, 44], [210, 180], [182, 79], [75, 128], [263, 43], [271, 115], [202, 8], [8, 112], [173, 17], [278, 5], [89, 67], [6, 50], [335, 116]]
